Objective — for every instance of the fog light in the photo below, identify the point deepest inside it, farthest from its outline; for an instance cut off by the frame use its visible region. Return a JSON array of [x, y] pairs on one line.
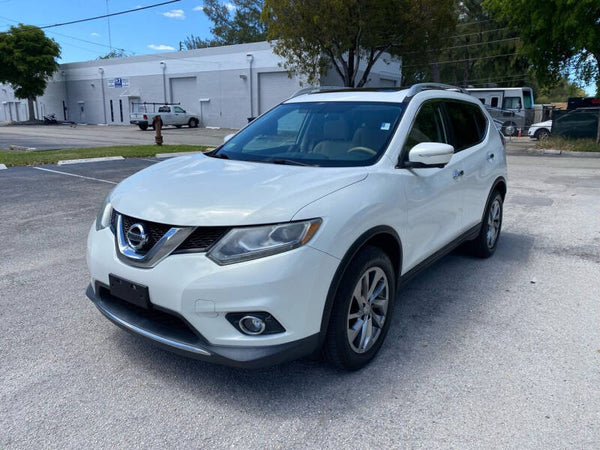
[[252, 325]]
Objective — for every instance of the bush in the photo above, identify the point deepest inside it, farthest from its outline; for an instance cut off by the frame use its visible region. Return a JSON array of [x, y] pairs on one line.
[[570, 145]]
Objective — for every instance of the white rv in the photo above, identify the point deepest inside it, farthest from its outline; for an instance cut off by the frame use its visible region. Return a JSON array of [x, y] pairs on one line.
[[513, 106]]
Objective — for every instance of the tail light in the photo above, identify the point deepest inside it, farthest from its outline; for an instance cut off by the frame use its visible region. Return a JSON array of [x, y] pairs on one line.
[[145, 117]]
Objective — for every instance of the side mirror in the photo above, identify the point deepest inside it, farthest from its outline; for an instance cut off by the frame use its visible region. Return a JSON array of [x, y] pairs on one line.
[[429, 154], [229, 136]]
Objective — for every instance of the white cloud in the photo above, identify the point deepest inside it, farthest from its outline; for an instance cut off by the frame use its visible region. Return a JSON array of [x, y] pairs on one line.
[[230, 6], [161, 47], [174, 14], [197, 8], [95, 34]]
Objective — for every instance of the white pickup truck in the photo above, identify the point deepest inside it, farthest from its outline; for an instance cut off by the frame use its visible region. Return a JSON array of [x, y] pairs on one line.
[[169, 115]]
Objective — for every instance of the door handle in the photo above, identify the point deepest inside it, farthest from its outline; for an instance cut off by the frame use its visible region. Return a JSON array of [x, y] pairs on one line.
[[458, 173]]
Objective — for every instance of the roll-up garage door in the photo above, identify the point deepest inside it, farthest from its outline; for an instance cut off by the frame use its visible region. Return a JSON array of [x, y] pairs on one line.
[[273, 88], [184, 91]]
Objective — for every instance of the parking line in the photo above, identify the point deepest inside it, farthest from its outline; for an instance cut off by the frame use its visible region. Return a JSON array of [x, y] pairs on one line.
[[74, 175]]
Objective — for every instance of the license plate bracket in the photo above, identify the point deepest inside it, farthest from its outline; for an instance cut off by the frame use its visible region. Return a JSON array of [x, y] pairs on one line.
[[129, 291]]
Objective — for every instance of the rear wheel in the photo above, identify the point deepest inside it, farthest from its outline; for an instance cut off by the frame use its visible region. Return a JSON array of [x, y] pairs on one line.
[[484, 245], [362, 310], [509, 128], [143, 126]]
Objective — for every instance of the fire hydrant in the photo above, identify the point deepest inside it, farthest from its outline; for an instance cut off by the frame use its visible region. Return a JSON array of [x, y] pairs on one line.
[[158, 139]]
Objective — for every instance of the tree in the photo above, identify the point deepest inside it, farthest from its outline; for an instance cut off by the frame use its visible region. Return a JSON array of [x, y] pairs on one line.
[[27, 59], [478, 51], [314, 36], [115, 53], [557, 35], [237, 22], [559, 92]]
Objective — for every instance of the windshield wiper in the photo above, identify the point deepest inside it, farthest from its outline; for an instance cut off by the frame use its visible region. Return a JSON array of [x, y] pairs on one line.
[[220, 155], [290, 162]]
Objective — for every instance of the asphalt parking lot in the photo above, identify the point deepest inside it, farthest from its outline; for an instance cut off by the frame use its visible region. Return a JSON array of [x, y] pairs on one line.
[[48, 137], [497, 353]]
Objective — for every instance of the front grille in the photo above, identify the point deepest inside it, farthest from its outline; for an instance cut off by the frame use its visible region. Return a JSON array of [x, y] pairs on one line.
[[199, 241], [202, 239]]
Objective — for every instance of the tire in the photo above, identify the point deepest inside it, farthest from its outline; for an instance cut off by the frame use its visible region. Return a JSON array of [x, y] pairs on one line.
[[193, 123], [542, 134], [143, 127], [509, 128], [484, 245], [347, 344]]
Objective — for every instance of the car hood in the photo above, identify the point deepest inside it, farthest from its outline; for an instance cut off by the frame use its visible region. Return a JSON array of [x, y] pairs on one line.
[[547, 123], [203, 191]]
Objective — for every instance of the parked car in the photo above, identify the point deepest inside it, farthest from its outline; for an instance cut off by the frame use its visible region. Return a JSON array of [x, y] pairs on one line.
[[169, 115], [294, 235], [540, 130]]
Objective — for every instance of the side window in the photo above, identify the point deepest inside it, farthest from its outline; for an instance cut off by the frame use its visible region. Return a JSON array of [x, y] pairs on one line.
[[164, 109], [428, 126], [494, 103], [468, 124], [511, 103], [178, 109]]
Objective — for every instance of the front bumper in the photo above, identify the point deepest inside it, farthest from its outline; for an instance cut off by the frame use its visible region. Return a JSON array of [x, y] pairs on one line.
[[292, 287]]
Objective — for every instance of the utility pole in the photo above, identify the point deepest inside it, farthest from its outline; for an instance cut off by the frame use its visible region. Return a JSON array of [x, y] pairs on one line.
[[108, 21]]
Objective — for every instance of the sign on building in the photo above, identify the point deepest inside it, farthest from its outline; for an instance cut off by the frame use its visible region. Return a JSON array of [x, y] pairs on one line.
[[118, 82]]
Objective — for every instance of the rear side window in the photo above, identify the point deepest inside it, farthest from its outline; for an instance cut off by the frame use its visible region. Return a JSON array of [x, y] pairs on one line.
[[468, 124]]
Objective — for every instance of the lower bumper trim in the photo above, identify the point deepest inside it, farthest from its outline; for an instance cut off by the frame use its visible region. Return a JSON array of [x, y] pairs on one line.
[[244, 357]]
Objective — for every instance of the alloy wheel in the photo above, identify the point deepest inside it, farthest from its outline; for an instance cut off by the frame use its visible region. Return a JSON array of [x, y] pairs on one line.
[[368, 309]]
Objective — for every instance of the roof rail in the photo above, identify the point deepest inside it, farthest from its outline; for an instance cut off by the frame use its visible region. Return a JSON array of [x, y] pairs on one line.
[[420, 87], [318, 89]]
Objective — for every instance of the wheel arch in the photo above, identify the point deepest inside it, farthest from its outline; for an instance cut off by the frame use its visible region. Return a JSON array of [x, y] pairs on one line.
[[500, 186], [383, 237]]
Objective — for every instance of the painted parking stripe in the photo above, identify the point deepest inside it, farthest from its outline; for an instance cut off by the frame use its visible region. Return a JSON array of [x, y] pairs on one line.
[[74, 175]]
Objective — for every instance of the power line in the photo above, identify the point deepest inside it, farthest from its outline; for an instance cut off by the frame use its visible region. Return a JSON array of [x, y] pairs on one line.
[[466, 45], [109, 15], [479, 32], [462, 60]]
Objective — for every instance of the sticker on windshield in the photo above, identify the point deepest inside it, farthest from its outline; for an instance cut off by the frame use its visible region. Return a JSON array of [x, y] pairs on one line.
[[385, 126]]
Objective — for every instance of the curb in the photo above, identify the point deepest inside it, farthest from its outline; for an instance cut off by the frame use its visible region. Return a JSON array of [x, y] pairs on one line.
[[22, 148], [554, 152], [2, 167], [88, 160]]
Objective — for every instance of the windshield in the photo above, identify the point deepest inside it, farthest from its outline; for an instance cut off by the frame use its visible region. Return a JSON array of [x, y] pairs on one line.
[[329, 134]]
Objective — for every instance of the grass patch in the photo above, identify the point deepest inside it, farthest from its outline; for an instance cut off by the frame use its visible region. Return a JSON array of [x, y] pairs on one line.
[[127, 151], [570, 145]]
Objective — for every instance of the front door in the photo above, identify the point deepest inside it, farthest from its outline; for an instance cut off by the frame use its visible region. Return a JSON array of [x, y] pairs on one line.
[[433, 211]]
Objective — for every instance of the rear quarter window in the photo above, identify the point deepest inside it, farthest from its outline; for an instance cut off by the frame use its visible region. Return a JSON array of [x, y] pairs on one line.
[[468, 124]]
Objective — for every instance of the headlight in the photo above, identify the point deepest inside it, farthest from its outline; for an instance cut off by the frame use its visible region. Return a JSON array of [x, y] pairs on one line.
[[243, 244], [103, 217]]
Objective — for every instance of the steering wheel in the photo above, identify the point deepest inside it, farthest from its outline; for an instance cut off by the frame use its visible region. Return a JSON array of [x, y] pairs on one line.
[[368, 150]]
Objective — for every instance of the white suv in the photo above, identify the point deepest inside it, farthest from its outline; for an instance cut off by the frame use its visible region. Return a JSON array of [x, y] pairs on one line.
[[295, 234]]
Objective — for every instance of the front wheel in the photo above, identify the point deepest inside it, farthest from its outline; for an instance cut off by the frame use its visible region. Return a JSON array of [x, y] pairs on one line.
[[542, 134], [484, 245], [193, 123], [362, 310]]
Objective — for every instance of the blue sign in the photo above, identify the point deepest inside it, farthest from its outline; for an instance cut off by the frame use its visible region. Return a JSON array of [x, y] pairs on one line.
[[118, 82]]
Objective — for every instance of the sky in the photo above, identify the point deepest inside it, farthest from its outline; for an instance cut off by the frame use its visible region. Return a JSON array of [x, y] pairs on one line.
[[142, 32]]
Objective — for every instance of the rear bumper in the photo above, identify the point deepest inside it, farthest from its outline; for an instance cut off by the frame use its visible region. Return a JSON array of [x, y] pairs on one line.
[[176, 336], [138, 122]]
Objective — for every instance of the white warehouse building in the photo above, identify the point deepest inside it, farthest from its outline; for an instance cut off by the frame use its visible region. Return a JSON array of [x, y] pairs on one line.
[[222, 85]]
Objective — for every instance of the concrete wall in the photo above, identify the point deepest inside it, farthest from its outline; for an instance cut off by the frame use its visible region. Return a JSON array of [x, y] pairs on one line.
[[223, 85]]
